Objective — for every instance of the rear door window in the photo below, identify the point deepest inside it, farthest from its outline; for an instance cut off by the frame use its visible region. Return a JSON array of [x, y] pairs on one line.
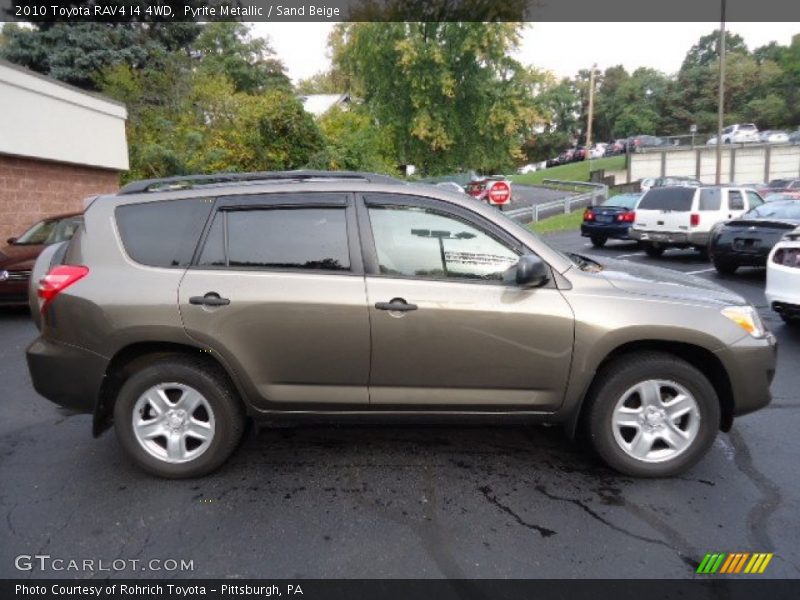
[[163, 233], [710, 199], [668, 199], [735, 200], [307, 238]]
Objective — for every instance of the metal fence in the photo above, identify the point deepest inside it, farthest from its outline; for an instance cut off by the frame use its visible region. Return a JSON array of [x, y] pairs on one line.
[[592, 194]]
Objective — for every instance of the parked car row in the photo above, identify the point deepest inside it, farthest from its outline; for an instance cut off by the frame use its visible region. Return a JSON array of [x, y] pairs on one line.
[[732, 225]]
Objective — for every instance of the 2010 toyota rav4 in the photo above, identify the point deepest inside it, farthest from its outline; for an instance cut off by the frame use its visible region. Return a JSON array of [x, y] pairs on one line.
[[184, 306]]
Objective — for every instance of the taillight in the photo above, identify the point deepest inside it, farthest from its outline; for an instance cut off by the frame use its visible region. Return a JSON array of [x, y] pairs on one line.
[[694, 220], [57, 280], [628, 217], [788, 257], [588, 215]]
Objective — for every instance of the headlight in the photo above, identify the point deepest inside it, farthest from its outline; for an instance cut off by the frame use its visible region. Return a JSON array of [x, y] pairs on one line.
[[747, 318]]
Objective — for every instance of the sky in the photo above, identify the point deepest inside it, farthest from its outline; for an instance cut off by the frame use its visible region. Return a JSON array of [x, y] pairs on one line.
[[563, 48]]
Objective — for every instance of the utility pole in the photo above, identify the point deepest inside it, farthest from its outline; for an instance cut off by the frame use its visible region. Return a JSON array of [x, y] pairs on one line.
[[591, 112], [721, 102]]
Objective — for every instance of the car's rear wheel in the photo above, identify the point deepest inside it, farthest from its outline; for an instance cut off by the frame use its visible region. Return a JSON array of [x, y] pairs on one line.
[[178, 418], [652, 415], [598, 241], [724, 266], [653, 250]]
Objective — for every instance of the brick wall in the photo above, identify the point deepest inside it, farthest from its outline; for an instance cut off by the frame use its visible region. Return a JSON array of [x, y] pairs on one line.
[[31, 189]]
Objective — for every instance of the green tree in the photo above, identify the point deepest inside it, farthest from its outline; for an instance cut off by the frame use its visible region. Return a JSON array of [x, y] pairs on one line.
[[226, 47], [77, 53], [323, 82], [640, 98], [353, 142], [448, 94], [608, 104]]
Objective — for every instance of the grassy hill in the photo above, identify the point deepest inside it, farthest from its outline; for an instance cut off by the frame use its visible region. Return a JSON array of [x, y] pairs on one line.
[[578, 171]]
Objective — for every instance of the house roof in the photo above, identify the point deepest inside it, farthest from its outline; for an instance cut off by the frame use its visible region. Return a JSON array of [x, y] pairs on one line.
[[319, 104]]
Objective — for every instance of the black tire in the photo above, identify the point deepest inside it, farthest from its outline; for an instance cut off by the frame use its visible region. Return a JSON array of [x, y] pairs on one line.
[[723, 266], [625, 372], [653, 250], [207, 379], [790, 320], [598, 241]]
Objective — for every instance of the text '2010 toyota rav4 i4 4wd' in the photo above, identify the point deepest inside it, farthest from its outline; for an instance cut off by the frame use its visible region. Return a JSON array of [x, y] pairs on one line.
[[184, 306]]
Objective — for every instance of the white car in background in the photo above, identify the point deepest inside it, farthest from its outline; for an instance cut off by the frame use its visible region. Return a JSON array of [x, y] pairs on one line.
[[744, 133], [783, 278], [774, 137], [598, 150]]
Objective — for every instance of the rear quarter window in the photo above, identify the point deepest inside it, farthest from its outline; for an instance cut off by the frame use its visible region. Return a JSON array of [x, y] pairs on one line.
[[163, 233], [674, 199], [710, 199]]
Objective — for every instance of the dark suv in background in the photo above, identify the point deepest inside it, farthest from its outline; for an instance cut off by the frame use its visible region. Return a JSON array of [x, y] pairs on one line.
[[189, 304]]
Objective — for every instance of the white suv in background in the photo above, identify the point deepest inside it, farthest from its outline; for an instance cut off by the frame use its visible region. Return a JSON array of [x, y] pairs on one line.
[[683, 216], [740, 134], [783, 278]]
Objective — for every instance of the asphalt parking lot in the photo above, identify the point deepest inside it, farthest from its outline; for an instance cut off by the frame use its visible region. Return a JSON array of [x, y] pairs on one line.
[[402, 502]]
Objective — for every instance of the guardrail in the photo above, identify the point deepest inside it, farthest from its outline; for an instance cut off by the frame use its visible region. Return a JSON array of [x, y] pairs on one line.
[[596, 193]]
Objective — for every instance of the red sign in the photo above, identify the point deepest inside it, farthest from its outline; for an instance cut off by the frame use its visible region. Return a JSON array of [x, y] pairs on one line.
[[500, 193]]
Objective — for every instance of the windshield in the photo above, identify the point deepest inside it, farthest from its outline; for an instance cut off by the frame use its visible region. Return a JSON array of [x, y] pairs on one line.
[[49, 232], [776, 210]]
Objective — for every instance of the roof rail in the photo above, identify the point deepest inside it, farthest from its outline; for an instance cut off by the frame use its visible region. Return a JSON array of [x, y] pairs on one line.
[[191, 181]]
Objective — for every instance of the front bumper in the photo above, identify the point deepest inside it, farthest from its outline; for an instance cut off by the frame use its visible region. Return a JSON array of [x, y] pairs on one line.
[[750, 364], [671, 238], [14, 292], [66, 375]]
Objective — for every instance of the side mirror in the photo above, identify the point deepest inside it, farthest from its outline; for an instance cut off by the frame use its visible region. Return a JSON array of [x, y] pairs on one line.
[[11, 240], [531, 272]]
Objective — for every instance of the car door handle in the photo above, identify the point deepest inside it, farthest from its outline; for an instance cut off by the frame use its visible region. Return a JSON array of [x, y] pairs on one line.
[[210, 299], [396, 304]]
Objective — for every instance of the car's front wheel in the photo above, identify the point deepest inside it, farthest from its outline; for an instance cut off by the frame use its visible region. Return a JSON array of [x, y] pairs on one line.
[[178, 418], [652, 415]]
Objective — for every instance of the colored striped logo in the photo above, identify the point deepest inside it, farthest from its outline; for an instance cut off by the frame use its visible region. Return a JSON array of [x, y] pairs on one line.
[[734, 562]]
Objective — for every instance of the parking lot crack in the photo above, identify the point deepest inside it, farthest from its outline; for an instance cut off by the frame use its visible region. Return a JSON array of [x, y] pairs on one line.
[[759, 515], [487, 492], [585, 508]]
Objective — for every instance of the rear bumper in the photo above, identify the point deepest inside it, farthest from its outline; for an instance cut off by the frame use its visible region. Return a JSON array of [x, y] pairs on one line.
[[609, 230], [671, 238], [66, 375], [750, 364], [745, 259]]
